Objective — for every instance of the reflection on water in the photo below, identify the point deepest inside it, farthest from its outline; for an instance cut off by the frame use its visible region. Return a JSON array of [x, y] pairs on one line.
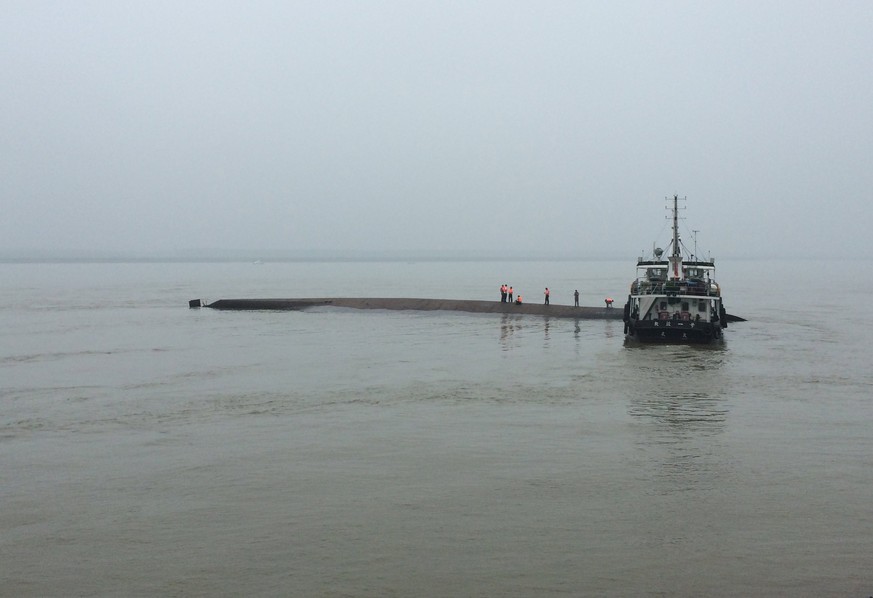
[[510, 324], [682, 414], [677, 399]]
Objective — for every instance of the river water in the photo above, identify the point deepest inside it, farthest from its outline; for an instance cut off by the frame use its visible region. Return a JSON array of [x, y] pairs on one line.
[[151, 450]]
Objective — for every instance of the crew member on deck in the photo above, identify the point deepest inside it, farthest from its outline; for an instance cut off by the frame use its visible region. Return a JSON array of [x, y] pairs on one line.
[[546, 293]]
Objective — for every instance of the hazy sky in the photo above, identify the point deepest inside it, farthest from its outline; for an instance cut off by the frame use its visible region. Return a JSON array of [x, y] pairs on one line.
[[488, 128]]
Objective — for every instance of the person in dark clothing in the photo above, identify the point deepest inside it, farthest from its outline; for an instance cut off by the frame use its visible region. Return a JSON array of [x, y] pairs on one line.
[[576, 297]]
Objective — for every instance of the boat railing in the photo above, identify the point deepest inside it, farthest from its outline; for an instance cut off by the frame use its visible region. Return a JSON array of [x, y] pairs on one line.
[[643, 286]]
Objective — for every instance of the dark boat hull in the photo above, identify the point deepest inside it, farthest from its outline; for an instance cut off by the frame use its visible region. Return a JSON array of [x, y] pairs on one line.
[[673, 331]]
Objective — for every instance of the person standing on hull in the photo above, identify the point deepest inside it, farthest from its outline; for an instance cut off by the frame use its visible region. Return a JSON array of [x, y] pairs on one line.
[[503, 293], [546, 293], [576, 298], [510, 294]]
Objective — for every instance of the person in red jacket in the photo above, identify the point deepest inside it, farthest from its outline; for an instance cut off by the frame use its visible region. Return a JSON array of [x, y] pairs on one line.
[[547, 295]]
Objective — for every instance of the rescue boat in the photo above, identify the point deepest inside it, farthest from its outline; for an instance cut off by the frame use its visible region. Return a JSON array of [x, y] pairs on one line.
[[675, 298]]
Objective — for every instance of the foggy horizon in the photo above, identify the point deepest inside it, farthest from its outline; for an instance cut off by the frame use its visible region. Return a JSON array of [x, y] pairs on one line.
[[383, 128]]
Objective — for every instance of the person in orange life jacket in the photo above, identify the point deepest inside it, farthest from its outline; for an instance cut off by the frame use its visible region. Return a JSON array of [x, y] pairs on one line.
[[546, 293], [510, 294], [503, 293], [518, 301]]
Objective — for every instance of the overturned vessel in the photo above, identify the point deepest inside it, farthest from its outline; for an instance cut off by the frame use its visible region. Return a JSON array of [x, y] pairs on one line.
[[675, 299], [411, 304]]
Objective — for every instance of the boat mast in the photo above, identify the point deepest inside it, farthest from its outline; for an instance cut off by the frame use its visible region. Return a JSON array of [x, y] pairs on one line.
[[675, 226], [676, 259]]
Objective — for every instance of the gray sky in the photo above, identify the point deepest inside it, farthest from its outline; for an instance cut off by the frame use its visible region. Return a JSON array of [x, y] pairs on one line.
[[487, 128]]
